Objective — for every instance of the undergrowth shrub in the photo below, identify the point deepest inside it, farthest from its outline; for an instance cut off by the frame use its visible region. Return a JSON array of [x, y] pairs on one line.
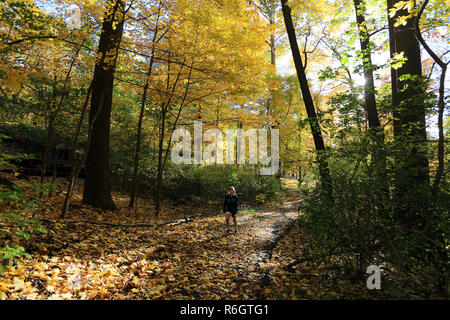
[[362, 225], [17, 223]]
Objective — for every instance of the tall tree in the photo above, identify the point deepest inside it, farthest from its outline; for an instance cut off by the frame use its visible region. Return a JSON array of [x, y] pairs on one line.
[[143, 104], [268, 9], [97, 189], [392, 51], [309, 103], [439, 233], [408, 97], [441, 101], [370, 105], [369, 87]]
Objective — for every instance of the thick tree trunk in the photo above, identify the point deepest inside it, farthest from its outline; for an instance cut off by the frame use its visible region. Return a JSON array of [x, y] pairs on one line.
[[97, 189], [412, 173], [412, 114], [309, 103]]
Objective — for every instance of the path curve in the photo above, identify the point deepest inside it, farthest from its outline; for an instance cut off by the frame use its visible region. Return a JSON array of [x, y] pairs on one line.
[[236, 266]]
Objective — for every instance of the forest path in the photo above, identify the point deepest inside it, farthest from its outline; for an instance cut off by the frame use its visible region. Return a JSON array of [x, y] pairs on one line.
[[223, 265], [195, 260]]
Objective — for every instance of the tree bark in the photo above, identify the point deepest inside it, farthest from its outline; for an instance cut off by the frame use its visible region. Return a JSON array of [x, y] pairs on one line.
[[369, 87], [411, 159], [97, 188], [309, 104]]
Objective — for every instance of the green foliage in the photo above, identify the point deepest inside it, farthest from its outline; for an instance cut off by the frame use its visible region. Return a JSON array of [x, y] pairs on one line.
[[328, 73], [16, 221], [10, 253], [210, 183], [372, 221], [7, 160], [26, 136], [348, 226], [45, 188]]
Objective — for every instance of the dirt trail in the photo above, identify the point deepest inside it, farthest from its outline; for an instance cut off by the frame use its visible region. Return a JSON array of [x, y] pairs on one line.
[[195, 260], [231, 266]]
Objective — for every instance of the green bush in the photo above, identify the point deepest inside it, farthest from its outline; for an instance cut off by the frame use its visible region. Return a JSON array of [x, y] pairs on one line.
[[17, 219], [210, 183], [364, 223]]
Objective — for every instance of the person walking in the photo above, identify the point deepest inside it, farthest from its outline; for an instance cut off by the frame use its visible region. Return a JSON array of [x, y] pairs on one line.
[[230, 208]]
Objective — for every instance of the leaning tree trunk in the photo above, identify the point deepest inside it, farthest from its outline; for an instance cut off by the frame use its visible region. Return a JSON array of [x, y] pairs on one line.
[[97, 188], [77, 163], [309, 104]]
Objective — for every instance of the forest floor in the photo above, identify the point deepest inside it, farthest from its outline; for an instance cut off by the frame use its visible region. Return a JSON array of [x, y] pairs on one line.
[[193, 260]]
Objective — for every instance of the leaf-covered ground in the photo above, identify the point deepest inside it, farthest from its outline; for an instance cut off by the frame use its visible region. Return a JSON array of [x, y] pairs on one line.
[[194, 260]]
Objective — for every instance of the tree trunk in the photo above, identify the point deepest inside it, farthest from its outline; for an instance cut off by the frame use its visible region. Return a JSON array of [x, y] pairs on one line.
[[309, 104], [369, 87], [48, 142], [165, 109], [441, 142], [438, 233], [77, 163], [412, 173], [394, 89], [441, 101], [138, 145], [97, 188], [376, 131], [270, 100], [160, 162], [141, 116]]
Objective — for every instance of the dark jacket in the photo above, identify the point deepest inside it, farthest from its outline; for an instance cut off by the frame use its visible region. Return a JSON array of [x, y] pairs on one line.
[[230, 204]]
